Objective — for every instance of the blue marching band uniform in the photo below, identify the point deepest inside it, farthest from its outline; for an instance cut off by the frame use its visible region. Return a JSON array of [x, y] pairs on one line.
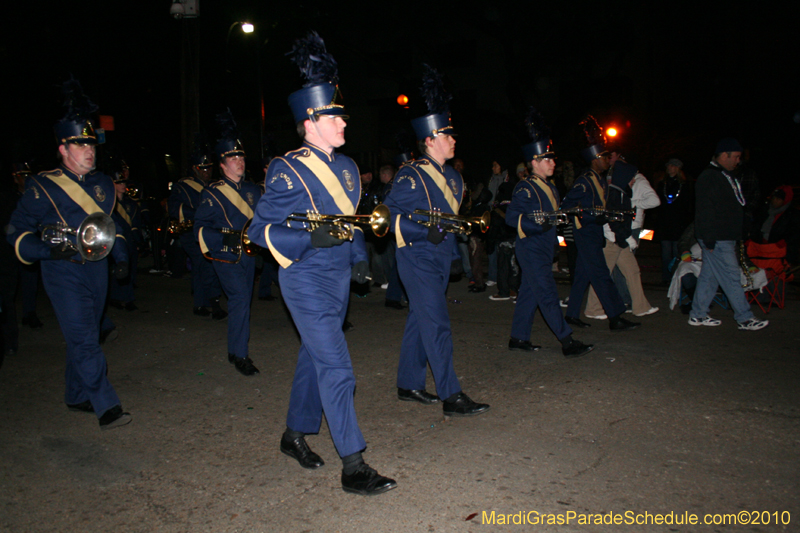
[[77, 288], [315, 284], [183, 203], [535, 255], [424, 269], [228, 205]]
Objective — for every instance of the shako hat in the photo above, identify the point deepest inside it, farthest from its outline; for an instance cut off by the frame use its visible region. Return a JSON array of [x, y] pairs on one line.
[[75, 126], [320, 94], [541, 144]]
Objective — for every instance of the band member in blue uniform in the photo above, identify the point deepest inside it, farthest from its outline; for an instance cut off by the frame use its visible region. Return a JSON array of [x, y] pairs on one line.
[[76, 287], [316, 268], [225, 208], [183, 203], [535, 243], [589, 194], [424, 255], [128, 218]]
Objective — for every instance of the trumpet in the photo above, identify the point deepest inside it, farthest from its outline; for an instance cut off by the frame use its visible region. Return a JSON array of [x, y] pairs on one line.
[[559, 216], [378, 220], [245, 244], [94, 238], [176, 228], [453, 223]]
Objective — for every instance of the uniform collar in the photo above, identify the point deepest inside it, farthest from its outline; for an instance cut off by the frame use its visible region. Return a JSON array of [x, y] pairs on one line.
[[435, 163], [230, 182], [323, 154], [535, 176]]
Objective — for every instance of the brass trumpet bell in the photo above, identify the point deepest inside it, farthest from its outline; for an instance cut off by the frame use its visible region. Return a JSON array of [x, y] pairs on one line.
[[378, 220], [94, 238]]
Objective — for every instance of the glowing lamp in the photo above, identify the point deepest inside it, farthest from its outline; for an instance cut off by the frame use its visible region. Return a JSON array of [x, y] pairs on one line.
[[402, 100], [247, 27], [611, 132]]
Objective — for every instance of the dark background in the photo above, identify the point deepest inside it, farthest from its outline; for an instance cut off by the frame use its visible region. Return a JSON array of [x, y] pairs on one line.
[[673, 81]]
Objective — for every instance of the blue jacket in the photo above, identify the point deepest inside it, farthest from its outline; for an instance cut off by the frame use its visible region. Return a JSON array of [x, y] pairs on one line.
[[60, 196], [531, 194], [307, 179], [224, 204]]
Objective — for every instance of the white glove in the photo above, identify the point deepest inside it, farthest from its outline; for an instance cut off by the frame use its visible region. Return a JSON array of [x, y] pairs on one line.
[[632, 243]]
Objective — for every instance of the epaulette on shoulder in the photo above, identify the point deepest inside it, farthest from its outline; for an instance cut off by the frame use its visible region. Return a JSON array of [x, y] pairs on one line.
[[300, 152], [217, 184], [54, 173]]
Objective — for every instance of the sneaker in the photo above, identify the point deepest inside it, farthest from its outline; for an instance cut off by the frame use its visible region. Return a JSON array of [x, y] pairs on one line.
[[753, 325], [384, 286], [491, 283], [497, 297], [706, 321], [650, 311], [597, 317]]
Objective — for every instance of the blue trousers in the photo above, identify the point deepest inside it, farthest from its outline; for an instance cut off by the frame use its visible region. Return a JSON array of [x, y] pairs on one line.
[[237, 281], [538, 288], [591, 268], [316, 293], [720, 269], [425, 271], [78, 293]]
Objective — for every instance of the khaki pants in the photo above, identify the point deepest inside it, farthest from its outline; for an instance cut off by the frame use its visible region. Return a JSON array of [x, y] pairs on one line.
[[626, 261]]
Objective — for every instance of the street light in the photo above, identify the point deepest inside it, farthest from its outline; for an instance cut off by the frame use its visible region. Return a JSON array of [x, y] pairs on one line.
[[248, 28]]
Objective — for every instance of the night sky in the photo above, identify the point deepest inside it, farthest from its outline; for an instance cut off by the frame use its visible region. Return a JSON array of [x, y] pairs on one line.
[[674, 81]]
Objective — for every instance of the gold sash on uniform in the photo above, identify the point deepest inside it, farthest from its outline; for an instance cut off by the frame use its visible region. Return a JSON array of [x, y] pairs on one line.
[[441, 182], [331, 183], [236, 199], [76, 193], [124, 214]]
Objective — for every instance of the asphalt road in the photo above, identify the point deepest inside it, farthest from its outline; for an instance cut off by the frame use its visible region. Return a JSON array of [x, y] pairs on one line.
[[666, 420]]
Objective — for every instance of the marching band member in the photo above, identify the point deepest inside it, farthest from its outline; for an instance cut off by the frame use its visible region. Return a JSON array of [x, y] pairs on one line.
[[225, 208], [424, 255], [316, 268], [76, 287], [535, 244]]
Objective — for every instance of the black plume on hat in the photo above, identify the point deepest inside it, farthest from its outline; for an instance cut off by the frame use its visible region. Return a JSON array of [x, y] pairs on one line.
[[537, 129], [314, 61], [78, 106], [227, 125], [593, 131], [433, 92]]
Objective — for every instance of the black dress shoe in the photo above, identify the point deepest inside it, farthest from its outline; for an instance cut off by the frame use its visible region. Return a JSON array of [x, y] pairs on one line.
[[109, 335], [201, 311], [244, 365], [524, 346], [577, 322], [298, 449], [347, 326], [83, 407], [421, 396], [463, 406], [577, 349], [394, 304], [114, 417], [217, 313], [32, 321], [620, 324], [477, 288], [367, 482]]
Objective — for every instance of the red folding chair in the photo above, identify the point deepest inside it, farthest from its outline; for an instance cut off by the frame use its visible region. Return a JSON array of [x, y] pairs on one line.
[[772, 259]]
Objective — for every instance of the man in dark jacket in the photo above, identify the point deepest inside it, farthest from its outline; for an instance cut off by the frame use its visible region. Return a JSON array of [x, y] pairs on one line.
[[719, 211]]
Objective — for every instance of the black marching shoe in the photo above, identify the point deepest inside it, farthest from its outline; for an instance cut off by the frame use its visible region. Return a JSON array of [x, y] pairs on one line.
[[217, 313], [202, 311], [114, 417], [618, 323], [577, 322], [347, 326], [463, 406], [523, 346], [576, 349], [244, 365], [421, 396], [367, 481], [83, 407], [394, 304], [298, 449]]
